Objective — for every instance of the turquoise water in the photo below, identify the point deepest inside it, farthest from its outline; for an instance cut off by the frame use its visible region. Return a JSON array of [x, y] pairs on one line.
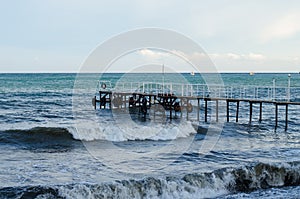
[[50, 149]]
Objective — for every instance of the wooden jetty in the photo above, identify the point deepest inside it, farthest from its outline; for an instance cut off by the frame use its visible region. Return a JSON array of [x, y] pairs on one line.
[[163, 101]]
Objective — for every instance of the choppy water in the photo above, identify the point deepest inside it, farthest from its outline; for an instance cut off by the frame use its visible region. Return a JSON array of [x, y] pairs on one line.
[[49, 150]]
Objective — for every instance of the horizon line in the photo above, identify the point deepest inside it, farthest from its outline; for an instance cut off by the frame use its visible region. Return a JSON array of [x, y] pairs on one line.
[[118, 72]]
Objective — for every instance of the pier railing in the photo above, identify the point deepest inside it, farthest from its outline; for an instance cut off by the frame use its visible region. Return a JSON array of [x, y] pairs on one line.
[[269, 93]]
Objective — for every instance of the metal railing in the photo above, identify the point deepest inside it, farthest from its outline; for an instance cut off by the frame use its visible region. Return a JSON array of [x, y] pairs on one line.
[[270, 93]]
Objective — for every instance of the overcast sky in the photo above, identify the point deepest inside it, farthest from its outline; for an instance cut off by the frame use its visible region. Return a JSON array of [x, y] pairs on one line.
[[240, 36]]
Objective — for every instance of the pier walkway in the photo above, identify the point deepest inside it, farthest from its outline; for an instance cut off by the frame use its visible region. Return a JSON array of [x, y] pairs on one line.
[[172, 98]]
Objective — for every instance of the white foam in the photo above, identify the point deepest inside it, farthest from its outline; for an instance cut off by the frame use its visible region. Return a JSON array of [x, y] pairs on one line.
[[112, 132], [151, 188]]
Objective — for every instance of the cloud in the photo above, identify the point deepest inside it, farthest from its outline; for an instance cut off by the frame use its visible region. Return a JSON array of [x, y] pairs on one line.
[[224, 57], [230, 61], [158, 54], [254, 56], [233, 56], [237, 57], [152, 54], [284, 27]]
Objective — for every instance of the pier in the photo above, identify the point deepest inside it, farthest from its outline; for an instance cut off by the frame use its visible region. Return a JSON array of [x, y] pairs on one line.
[[171, 99]]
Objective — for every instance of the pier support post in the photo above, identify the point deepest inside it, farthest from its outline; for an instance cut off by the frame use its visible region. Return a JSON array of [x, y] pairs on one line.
[[276, 115], [187, 112], [94, 102], [260, 111], [198, 109], [110, 97], [227, 105], [250, 114], [237, 111], [205, 110], [125, 100], [217, 110], [286, 117], [101, 100], [181, 108]]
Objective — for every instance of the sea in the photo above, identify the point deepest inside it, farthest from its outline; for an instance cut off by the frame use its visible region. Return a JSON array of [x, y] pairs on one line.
[[54, 144]]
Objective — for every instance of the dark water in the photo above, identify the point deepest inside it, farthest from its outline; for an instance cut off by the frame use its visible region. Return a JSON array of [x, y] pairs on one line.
[[50, 149]]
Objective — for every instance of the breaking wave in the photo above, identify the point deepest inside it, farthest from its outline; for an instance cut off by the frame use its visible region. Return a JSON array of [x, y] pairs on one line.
[[58, 135], [40, 139], [196, 185], [113, 132]]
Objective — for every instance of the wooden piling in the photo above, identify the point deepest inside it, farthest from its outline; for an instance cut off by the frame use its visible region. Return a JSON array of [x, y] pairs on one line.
[[198, 109], [227, 105], [217, 110], [94, 102], [181, 108], [187, 112], [110, 97], [276, 115], [237, 111], [286, 117], [260, 111], [250, 114], [125, 101], [205, 109]]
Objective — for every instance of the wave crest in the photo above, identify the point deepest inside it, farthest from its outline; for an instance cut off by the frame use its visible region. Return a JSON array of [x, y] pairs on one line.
[[197, 185]]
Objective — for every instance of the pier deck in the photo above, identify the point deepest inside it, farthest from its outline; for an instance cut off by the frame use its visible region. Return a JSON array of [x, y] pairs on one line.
[[144, 97]]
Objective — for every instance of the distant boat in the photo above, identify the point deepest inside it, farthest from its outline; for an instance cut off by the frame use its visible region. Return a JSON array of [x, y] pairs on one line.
[[251, 73], [192, 73]]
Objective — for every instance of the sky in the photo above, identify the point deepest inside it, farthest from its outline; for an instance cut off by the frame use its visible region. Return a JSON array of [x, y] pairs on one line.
[[238, 36]]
